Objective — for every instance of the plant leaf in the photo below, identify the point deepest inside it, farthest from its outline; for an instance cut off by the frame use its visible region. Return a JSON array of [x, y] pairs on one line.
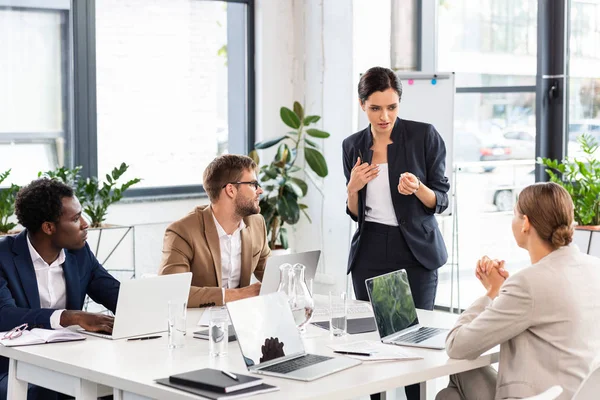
[[311, 143], [303, 186], [298, 110], [289, 118], [317, 133], [316, 161], [311, 119], [287, 206], [254, 156], [265, 144]]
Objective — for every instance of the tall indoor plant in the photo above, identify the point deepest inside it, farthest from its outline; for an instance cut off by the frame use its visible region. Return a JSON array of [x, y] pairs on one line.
[[283, 187], [581, 178]]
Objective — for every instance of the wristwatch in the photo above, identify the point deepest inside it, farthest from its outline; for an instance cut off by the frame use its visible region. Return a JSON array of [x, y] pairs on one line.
[[418, 187]]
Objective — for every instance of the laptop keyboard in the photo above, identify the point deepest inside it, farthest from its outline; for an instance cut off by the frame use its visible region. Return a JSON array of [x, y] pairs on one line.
[[419, 335], [296, 364]]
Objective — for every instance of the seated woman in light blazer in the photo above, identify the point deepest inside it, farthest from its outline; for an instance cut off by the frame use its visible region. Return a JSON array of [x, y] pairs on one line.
[[546, 318]]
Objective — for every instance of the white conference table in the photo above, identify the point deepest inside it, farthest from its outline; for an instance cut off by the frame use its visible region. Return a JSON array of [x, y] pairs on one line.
[[97, 366]]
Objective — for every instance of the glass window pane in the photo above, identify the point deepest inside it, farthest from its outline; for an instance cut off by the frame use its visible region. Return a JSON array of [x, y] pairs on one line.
[[494, 149], [33, 105], [496, 38], [584, 83], [161, 87]]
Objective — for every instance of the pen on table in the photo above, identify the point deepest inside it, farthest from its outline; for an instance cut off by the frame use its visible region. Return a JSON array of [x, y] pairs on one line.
[[229, 374], [353, 353], [145, 338]]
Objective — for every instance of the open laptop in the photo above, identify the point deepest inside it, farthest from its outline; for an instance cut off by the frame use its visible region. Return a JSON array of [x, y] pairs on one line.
[[396, 315], [271, 344], [270, 281], [142, 307]]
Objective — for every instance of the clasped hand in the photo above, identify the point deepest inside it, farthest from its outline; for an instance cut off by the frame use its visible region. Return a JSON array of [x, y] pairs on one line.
[[408, 184], [491, 274]]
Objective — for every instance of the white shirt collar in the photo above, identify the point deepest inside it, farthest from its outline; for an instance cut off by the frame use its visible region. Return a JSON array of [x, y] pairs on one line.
[[221, 232], [37, 259]]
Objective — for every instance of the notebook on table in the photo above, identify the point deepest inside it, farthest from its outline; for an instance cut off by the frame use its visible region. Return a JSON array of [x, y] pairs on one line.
[[215, 380], [40, 336], [262, 388]]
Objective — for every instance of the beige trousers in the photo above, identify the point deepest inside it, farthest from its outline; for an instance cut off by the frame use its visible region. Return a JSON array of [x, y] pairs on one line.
[[477, 384]]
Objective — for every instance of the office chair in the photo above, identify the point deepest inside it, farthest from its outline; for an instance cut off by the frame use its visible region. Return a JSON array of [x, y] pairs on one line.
[[550, 394], [590, 387]]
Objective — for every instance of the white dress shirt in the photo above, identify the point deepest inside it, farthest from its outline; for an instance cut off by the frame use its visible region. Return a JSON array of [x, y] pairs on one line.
[[51, 283], [231, 256]]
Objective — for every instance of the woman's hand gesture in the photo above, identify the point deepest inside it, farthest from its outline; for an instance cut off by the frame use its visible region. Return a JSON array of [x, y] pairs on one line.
[[361, 174]]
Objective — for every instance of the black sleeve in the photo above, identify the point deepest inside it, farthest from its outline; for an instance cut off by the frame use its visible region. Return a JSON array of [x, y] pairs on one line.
[[347, 160], [435, 154]]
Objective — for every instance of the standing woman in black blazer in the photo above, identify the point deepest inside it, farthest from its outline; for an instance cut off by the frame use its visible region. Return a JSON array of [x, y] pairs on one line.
[[395, 181]]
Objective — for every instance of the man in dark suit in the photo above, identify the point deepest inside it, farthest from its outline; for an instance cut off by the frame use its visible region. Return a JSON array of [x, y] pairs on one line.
[[47, 270]]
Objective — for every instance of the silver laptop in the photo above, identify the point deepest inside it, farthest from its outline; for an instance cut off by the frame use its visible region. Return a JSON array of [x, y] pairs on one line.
[[270, 281], [271, 344], [142, 307], [396, 315]]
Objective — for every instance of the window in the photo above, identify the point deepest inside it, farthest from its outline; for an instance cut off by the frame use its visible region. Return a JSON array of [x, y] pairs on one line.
[[171, 77], [493, 51], [584, 82], [34, 94]]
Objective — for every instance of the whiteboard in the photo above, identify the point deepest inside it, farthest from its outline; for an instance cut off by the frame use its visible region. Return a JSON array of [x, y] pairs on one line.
[[429, 98]]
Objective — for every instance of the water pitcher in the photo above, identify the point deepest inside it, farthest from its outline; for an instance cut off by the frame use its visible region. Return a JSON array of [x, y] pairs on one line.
[[291, 282]]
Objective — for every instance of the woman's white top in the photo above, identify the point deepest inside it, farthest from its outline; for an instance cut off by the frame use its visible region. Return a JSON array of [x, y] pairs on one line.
[[379, 207]]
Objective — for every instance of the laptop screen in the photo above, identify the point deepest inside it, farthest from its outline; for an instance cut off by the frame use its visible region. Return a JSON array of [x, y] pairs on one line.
[[392, 302], [265, 328]]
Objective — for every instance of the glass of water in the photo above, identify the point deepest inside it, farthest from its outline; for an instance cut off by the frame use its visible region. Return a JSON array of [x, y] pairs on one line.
[[218, 331], [176, 321], [337, 313]]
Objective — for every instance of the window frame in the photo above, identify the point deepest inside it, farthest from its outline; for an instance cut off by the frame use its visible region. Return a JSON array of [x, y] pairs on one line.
[[79, 88], [66, 77]]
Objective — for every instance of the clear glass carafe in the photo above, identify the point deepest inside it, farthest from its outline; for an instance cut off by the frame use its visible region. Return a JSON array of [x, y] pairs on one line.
[[291, 282]]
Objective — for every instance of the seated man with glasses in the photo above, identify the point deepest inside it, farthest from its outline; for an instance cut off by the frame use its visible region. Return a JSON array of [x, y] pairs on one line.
[[47, 270], [223, 243]]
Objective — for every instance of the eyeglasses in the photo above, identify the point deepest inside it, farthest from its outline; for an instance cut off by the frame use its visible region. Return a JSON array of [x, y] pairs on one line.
[[251, 183], [15, 332]]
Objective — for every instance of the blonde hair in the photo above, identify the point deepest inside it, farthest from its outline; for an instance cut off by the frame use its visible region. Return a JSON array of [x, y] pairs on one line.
[[549, 208]]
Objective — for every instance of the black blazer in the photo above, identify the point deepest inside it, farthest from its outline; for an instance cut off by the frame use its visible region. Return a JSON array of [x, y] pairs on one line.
[[417, 148]]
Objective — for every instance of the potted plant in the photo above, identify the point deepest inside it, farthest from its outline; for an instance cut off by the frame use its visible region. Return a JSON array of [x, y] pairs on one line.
[[7, 204], [581, 178], [283, 188], [95, 196]]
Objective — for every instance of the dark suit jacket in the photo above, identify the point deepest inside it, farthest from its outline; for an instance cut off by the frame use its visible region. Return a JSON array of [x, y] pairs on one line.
[[417, 148], [192, 244], [19, 295]]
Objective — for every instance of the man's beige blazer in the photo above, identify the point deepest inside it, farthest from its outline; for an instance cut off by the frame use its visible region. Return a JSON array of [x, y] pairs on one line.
[[192, 244], [547, 322]]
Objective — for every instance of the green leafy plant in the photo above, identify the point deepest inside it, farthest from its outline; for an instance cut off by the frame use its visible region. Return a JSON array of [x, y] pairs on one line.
[[95, 196], [7, 203], [280, 203], [581, 178]]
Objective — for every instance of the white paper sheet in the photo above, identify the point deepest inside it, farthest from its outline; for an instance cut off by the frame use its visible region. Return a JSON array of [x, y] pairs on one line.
[[379, 351]]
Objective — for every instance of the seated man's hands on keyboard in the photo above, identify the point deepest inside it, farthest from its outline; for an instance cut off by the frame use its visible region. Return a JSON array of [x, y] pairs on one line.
[[89, 321]]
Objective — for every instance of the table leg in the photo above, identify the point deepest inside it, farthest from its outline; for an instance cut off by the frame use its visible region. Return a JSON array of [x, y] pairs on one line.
[[86, 390], [17, 389], [119, 394]]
